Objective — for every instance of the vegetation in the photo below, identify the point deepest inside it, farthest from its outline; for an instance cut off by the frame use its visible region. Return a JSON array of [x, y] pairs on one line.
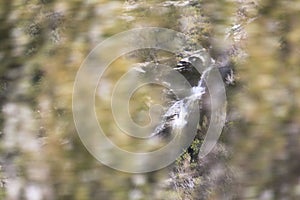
[[44, 42]]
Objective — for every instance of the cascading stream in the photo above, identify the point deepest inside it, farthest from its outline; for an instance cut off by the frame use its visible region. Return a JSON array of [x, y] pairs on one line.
[[176, 116]]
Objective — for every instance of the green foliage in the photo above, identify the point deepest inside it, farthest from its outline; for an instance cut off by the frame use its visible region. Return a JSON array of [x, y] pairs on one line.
[[43, 43]]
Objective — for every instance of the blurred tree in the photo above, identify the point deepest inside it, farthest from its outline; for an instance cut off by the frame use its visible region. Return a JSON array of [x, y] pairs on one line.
[[42, 45]]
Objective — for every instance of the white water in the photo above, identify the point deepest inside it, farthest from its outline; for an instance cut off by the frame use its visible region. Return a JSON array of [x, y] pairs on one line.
[[176, 116]]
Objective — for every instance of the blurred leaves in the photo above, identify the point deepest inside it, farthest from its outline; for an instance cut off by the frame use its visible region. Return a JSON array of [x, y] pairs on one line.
[[42, 45]]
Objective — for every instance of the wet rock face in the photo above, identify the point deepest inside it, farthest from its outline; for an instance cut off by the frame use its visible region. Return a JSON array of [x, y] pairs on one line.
[[188, 67]]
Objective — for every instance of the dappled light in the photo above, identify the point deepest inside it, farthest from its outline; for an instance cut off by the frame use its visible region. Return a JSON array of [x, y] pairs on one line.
[[199, 101]]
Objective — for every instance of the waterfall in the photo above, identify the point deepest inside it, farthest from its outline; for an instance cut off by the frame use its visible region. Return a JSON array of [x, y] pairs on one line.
[[176, 116]]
